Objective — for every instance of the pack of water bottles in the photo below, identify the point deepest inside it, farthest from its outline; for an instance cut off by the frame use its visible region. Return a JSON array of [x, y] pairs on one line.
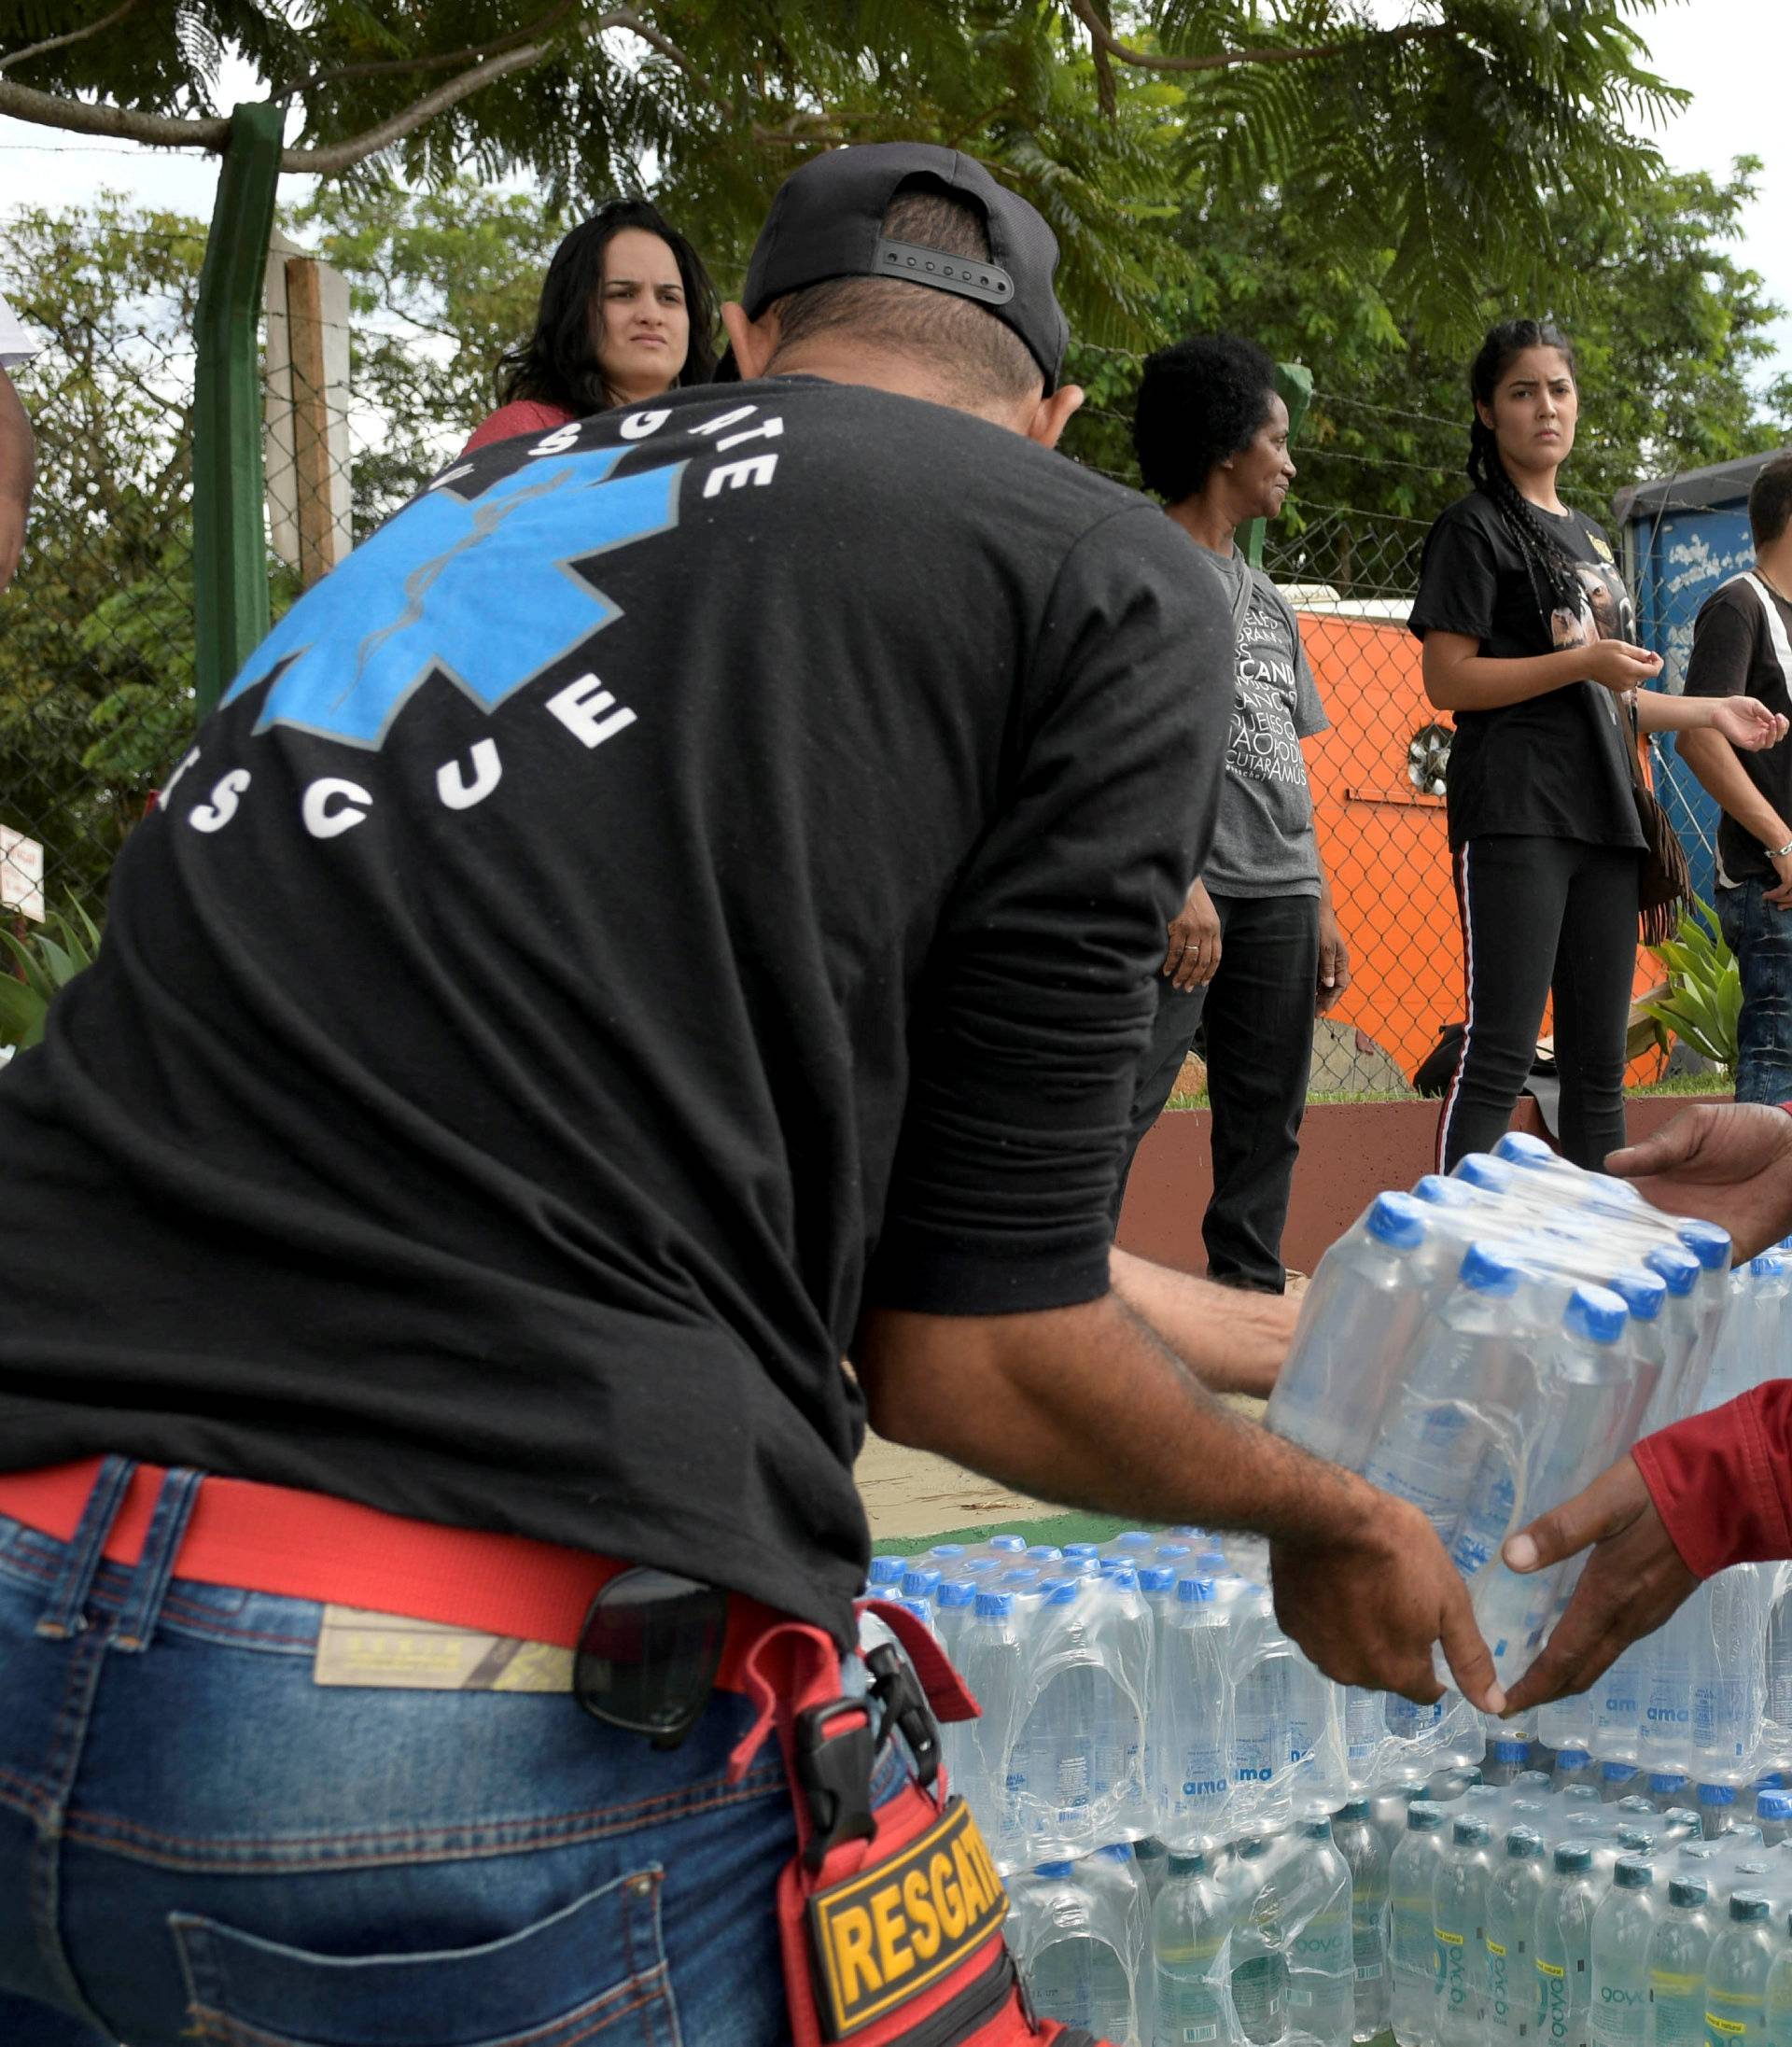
[[1553, 1906], [1488, 1344], [1143, 1688]]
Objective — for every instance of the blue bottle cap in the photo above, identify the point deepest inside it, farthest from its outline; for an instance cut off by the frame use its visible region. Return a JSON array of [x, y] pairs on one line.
[[1423, 1817], [1081, 1550], [1124, 1577], [1060, 1592], [1572, 1759], [1194, 1591], [886, 1570], [1572, 1856], [959, 1592], [1675, 1266], [1133, 1538], [1618, 1772], [1189, 1862], [1052, 1868], [1688, 1891], [981, 1565], [1662, 1782], [1441, 1193], [1771, 1780], [1642, 1293], [1716, 1794], [1213, 1562], [1596, 1314], [1045, 1552], [1472, 1834], [1523, 1841], [1709, 1243], [1634, 1873], [918, 1608], [946, 1550], [1482, 1169], [1168, 1553], [1769, 1266], [1774, 1805], [1118, 1851], [1026, 1576], [1519, 1148], [1487, 1268], [921, 1584], [1015, 1545], [994, 1605], [1748, 1906], [1158, 1578], [1510, 1751], [1399, 1220], [1354, 1808]]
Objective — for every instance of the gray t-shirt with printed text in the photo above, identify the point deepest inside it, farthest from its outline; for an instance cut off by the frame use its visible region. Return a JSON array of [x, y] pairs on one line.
[[1262, 837]]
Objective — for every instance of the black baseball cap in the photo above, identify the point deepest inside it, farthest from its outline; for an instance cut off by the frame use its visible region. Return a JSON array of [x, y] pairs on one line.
[[827, 220]]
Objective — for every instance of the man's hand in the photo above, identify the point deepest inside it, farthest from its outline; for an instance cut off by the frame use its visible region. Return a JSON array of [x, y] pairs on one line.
[[1780, 895], [1731, 1165], [1746, 722], [1634, 1581], [1194, 954], [1367, 1603], [1334, 962]]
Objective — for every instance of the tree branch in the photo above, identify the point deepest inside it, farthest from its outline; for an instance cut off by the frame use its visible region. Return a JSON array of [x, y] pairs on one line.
[[123, 124], [1107, 43], [385, 66], [74, 36]]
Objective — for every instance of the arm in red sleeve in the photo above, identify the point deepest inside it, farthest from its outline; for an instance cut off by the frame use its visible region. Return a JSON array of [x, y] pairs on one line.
[[1722, 1482], [522, 416]]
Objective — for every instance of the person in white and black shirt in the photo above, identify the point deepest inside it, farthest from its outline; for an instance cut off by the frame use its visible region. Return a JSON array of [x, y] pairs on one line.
[[1526, 627], [17, 449], [1742, 645]]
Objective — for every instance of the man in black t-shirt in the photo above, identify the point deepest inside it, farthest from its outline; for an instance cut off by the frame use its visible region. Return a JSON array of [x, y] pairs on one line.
[[1741, 646], [677, 907]]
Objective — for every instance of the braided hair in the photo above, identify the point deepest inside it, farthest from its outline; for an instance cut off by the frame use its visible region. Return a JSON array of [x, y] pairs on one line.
[[1553, 575]]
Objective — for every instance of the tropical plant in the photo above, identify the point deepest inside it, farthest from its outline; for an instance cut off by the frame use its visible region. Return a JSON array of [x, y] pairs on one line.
[[1704, 988], [33, 969]]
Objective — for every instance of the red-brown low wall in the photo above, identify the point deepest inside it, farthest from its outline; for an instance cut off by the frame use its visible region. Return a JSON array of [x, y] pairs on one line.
[[1350, 1151]]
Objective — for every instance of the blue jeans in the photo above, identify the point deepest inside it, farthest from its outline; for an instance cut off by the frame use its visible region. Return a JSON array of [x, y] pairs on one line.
[[1760, 935], [197, 1841]]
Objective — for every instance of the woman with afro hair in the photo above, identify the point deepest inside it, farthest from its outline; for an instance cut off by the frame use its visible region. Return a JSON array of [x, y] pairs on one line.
[[1255, 953]]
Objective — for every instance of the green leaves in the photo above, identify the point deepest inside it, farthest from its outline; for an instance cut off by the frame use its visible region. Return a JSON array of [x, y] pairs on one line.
[[1705, 989], [33, 970]]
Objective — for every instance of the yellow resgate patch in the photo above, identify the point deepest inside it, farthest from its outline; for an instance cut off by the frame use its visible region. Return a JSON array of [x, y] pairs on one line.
[[887, 1935]]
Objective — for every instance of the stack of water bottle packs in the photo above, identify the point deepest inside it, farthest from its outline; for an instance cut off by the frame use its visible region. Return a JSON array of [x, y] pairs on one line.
[[1458, 1914], [1198, 1828]]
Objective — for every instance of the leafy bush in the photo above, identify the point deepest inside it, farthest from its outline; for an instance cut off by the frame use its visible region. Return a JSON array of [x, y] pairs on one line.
[[1704, 988], [32, 971]]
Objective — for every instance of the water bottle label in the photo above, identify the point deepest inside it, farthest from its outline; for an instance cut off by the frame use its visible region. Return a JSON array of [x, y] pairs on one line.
[[1493, 1947], [1455, 1939], [1368, 1971], [1196, 2035], [1726, 2026], [1551, 1969]]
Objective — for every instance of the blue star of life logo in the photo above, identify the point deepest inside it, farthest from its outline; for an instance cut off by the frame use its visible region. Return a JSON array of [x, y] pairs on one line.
[[481, 590]]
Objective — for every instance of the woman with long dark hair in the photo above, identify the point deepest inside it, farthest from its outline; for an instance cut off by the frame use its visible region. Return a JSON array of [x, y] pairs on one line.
[[628, 311], [1527, 627]]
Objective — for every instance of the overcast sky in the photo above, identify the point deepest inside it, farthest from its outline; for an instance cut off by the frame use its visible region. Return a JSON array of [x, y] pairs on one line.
[[1735, 56]]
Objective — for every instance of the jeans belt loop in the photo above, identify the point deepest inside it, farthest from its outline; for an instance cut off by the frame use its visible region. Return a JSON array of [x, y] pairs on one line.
[[65, 1614]]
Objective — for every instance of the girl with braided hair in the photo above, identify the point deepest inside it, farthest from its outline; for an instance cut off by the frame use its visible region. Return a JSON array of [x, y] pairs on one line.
[[1526, 627]]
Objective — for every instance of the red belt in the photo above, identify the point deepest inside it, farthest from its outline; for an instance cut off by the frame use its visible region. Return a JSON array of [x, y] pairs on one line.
[[299, 1545]]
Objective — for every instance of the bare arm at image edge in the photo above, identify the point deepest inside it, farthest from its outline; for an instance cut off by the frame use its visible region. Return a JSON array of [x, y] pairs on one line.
[[17, 464]]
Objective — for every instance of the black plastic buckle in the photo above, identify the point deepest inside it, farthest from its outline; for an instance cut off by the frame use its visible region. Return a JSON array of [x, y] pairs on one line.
[[898, 1690], [834, 1770]]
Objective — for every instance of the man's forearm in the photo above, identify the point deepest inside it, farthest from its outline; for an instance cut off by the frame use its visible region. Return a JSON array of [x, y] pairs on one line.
[[1233, 1341], [17, 462], [1723, 777], [1090, 1406]]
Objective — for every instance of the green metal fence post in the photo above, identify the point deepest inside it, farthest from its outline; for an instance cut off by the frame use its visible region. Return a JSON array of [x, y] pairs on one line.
[[1296, 385], [229, 551]]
